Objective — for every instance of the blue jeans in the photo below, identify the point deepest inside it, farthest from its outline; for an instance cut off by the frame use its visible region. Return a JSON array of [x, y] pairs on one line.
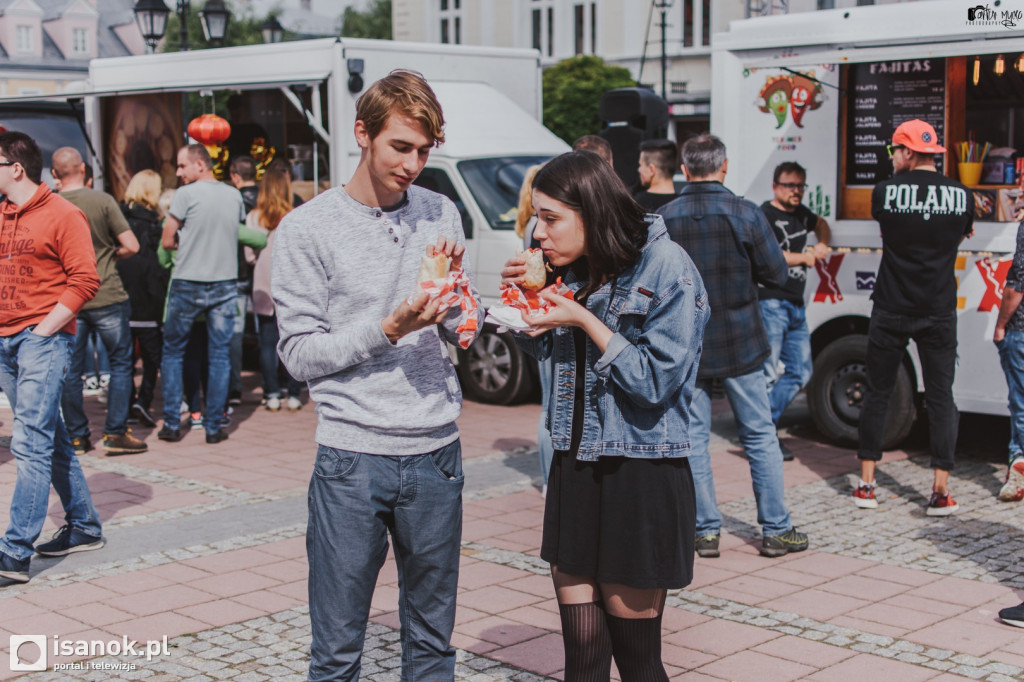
[[111, 325], [748, 396], [32, 371], [1011, 358], [186, 300], [545, 450], [269, 364], [241, 301], [790, 341], [355, 501]]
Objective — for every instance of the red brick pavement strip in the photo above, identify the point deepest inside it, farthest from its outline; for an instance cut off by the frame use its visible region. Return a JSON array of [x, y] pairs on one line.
[[506, 613]]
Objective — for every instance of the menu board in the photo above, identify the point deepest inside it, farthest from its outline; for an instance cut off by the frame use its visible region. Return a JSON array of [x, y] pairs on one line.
[[881, 96]]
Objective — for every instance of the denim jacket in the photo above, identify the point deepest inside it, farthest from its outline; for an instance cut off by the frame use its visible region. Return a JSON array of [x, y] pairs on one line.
[[638, 391]]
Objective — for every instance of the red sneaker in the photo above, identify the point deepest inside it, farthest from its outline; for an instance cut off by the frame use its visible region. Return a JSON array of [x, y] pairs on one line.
[[1013, 489], [864, 497], [941, 505]]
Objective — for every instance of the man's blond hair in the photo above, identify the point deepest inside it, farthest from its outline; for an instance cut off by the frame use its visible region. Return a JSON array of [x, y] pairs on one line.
[[407, 93]]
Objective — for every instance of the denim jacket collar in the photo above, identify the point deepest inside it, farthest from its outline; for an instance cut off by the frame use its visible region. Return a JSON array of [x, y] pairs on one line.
[[656, 229]]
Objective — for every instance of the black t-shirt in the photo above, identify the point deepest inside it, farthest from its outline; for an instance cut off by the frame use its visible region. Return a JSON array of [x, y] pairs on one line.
[[923, 215], [652, 201], [791, 230]]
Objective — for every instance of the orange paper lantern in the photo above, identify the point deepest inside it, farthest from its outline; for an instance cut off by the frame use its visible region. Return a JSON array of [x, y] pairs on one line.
[[209, 129]]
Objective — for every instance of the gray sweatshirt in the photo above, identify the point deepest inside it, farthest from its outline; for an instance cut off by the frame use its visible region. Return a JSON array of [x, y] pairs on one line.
[[339, 268]]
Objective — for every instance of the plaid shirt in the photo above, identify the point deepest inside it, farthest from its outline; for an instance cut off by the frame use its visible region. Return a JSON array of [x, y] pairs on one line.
[[1015, 280], [731, 243]]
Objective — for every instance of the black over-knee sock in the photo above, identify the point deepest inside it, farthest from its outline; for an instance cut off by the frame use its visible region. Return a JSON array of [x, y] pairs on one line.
[[636, 643], [588, 649]]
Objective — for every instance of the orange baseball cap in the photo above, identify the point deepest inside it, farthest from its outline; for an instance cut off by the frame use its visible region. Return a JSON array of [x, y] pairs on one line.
[[918, 136]]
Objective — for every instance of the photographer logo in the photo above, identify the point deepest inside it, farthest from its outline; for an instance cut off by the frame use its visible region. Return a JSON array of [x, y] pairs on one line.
[[17, 664]]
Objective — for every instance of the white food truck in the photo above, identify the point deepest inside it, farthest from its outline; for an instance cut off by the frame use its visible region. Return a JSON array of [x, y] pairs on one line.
[[299, 98], [827, 89]]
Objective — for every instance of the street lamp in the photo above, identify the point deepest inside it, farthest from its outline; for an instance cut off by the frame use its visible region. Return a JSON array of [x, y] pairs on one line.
[[664, 6], [272, 30], [151, 16]]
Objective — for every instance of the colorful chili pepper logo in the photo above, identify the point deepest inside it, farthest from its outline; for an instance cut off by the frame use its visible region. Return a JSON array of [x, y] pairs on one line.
[[796, 94]]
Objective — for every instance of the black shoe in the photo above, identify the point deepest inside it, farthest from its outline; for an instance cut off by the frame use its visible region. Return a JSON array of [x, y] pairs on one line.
[[1013, 616], [68, 540], [781, 545], [168, 434], [235, 399], [216, 437], [787, 454], [81, 445], [707, 546], [143, 415], [15, 570]]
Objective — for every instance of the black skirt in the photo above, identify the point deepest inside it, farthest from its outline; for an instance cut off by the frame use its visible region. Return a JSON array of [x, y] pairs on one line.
[[621, 520]]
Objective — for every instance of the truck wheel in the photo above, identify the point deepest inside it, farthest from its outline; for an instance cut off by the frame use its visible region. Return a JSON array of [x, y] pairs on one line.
[[494, 370], [837, 388]]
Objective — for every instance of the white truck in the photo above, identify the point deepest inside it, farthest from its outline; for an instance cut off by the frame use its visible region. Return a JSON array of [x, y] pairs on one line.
[[826, 89], [300, 96]]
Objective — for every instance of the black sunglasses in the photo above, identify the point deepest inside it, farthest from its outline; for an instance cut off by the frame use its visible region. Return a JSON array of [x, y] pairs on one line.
[[7, 163]]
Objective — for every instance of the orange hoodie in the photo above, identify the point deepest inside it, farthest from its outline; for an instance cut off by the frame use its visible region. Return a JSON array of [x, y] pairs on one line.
[[46, 258]]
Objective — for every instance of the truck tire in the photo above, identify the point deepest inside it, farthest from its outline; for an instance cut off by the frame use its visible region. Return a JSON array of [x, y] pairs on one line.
[[493, 369], [836, 392]]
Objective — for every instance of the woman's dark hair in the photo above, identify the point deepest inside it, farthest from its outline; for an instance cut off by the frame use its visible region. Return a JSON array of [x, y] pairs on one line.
[[614, 228]]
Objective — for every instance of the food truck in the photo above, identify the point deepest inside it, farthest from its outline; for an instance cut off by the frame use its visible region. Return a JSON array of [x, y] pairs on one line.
[[296, 101], [827, 89]]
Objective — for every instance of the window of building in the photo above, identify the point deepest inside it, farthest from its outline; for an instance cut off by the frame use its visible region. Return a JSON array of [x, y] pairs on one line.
[[688, 25], [826, 4], [696, 23], [80, 41], [25, 39], [578, 27], [451, 21], [705, 23], [542, 25], [585, 15]]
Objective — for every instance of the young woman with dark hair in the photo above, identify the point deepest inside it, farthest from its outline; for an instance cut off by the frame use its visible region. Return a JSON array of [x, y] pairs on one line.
[[619, 519]]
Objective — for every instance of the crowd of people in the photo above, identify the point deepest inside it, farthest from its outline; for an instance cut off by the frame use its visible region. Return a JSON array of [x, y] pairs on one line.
[[644, 313]]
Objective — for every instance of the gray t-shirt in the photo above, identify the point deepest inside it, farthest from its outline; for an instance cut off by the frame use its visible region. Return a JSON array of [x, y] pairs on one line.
[[210, 213]]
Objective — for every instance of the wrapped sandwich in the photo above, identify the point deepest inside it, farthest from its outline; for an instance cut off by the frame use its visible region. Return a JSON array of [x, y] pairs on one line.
[[536, 275], [433, 267]]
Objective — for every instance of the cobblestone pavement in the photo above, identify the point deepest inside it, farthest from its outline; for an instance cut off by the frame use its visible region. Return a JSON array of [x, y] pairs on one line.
[[206, 547]]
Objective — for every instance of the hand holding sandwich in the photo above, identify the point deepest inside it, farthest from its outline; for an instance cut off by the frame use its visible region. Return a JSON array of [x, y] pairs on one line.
[[414, 314]]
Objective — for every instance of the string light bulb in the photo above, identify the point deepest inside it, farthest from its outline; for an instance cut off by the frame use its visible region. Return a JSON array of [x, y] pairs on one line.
[[977, 70], [1000, 67], [1020, 63]]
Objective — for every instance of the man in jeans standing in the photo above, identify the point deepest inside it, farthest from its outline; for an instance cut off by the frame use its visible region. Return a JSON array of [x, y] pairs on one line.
[[49, 272], [1009, 339], [108, 313], [782, 308], [734, 249], [344, 271], [923, 216], [203, 226]]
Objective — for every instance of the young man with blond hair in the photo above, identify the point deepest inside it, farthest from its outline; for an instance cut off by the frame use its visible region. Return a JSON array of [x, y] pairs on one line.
[[344, 269]]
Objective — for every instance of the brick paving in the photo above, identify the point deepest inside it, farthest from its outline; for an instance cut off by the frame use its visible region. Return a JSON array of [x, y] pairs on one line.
[[206, 548]]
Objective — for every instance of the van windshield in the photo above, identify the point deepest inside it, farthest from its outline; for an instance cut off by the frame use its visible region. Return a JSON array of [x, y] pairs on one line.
[[495, 184], [51, 126]]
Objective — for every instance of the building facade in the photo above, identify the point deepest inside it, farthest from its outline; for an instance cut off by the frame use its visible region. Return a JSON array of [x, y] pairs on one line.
[[627, 33]]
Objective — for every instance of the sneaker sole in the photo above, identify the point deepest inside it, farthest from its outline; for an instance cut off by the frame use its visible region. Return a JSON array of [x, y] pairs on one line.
[[15, 577], [113, 452], [77, 548], [1014, 483], [1014, 623], [942, 511], [865, 504], [709, 553]]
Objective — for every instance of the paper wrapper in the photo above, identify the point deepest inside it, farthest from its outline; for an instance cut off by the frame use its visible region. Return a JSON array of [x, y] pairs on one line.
[[516, 298], [454, 290]]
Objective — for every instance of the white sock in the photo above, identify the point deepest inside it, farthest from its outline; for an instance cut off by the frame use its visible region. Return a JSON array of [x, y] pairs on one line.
[[865, 483]]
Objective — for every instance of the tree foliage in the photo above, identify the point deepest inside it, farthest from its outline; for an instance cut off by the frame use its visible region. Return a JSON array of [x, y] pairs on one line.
[[373, 22], [572, 94]]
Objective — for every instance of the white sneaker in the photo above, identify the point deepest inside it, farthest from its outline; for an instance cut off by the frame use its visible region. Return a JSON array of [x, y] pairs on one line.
[[293, 404], [274, 403], [1013, 489], [184, 408]]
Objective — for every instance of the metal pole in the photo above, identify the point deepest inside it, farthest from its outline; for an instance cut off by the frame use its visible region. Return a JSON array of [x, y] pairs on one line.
[[183, 19], [664, 58]]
